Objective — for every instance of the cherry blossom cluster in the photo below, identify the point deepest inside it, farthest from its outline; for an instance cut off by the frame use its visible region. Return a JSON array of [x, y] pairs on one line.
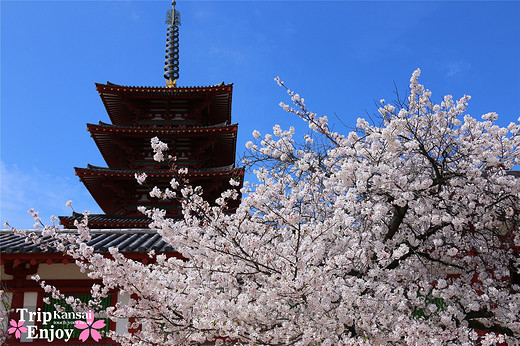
[[403, 231], [158, 148]]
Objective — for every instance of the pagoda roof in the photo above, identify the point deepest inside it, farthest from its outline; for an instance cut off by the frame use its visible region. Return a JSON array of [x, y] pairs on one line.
[[96, 221], [122, 101], [126, 240], [116, 190], [228, 170], [112, 141], [165, 88], [150, 131]]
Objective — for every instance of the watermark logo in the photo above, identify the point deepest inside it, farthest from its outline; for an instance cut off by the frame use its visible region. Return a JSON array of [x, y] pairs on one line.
[[17, 328], [90, 327], [46, 329]]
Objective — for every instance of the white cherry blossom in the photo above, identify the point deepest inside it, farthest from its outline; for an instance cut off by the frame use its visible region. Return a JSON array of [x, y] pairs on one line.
[[403, 231]]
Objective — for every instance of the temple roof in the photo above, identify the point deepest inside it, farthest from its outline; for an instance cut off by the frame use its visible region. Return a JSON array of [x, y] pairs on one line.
[[126, 240], [124, 104]]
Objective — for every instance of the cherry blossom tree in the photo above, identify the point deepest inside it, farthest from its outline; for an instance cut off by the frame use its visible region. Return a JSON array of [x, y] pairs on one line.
[[403, 231]]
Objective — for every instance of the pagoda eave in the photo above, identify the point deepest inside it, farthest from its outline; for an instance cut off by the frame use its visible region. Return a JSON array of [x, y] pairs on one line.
[[94, 171], [150, 132], [166, 90], [97, 221]]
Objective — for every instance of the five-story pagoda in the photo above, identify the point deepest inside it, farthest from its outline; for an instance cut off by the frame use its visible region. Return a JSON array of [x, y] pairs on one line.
[[195, 122]]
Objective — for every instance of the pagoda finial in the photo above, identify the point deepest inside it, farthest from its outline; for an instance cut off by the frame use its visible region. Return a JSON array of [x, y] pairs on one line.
[[171, 64]]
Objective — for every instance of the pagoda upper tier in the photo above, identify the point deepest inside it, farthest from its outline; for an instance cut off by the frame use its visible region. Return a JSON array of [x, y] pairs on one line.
[[194, 147], [163, 106]]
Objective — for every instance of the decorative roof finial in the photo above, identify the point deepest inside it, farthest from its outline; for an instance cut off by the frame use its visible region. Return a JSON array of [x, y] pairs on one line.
[[171, 64]]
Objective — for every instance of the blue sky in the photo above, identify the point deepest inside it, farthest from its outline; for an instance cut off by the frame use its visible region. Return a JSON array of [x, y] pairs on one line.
[[339, 55]]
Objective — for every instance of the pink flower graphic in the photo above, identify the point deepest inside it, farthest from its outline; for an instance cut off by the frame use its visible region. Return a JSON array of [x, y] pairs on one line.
[[90, 327], [17, 328]]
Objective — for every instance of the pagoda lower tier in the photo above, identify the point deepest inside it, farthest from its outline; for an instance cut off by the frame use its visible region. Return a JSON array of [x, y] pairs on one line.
[[126, 147], [117, 192]]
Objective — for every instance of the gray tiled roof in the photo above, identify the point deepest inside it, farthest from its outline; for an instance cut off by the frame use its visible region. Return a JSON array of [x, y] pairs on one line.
[[126, 240]]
